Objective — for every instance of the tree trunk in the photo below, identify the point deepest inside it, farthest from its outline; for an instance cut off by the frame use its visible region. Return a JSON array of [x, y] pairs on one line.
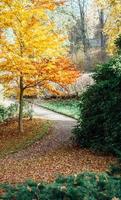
[[20, 123], [85, 40], [102, 37]]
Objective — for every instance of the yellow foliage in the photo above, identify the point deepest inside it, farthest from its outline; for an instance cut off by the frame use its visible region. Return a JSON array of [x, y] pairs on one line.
[[36, 53], [113, 23]]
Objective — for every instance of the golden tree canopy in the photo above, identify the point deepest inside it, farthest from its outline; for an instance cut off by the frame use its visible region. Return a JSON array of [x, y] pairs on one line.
[[32, 47]]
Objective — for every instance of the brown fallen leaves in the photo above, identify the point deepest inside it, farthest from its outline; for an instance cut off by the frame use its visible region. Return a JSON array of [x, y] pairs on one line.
[[11, 140], [48, 167], [60, 158]]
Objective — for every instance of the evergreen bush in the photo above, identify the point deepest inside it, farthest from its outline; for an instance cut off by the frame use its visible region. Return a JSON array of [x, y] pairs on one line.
[[99, 126], [86, 186]]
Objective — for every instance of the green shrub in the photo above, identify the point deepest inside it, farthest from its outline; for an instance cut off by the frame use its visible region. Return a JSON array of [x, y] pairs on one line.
[[86, 186], [12, 111], [3, 113], [99, 126], [9, 112], [27, 109]]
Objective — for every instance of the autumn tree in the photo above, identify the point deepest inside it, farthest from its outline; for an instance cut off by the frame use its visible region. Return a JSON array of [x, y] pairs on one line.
[[33, 52], [112, 26]]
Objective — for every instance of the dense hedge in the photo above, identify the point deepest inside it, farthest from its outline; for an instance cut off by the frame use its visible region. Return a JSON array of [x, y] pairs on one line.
[[99, 126], [86, 186]]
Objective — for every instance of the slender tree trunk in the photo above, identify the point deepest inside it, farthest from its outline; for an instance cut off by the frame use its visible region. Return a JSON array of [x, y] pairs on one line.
[[81, 5], [102, 37], [85, 40], [20, 122]]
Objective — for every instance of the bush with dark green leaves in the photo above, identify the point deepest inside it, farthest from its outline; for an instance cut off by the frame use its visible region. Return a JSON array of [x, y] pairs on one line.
[[99, 126], [86, 186]]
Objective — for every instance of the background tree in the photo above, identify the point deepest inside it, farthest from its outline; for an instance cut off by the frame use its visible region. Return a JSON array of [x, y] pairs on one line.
[[112, 26], [32, 50], [79, 31], [100, 35], [84, 23], [82, 11]]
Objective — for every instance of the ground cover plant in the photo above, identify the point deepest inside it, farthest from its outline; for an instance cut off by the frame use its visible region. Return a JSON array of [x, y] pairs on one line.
[[86, 186], [69, 107], [12, 141]]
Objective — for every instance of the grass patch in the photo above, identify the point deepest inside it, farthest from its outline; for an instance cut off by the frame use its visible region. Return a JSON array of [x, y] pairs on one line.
[[68, 107], [12, 141]]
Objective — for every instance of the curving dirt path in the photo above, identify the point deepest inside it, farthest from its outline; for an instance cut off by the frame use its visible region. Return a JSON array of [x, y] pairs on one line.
[[51, 156], [59, 137]]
